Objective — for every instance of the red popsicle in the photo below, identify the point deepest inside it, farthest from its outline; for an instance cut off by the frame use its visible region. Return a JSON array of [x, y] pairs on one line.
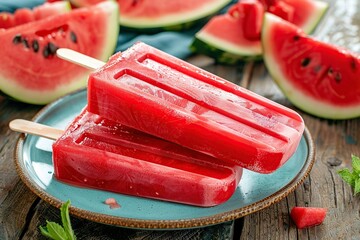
[[97, 153], [156, 93]]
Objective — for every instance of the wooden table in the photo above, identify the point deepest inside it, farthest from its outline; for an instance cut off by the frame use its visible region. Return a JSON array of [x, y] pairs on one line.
[[22, 212]]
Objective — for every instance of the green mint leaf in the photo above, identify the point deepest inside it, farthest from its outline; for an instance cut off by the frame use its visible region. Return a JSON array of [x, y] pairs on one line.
[[56, 231], [357, 186], [65, 219], [45, 232], [347, 176], [355, 164]]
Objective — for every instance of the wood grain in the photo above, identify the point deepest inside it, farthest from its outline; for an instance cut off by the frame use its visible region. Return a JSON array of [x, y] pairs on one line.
[[15, 198]]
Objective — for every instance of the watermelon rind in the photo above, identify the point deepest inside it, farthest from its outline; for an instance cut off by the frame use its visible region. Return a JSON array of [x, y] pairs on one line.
[[320, 8], [298, 98], [55, 7], [224, 52], [173, 22], [39, 97]]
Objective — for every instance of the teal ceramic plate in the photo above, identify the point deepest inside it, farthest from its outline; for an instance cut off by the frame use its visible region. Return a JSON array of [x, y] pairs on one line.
[[255, 192]]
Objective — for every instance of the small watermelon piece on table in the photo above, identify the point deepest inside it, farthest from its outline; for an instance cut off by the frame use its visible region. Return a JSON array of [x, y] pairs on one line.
[[32, 73], [225, 37], [305, 217], [319, 78]]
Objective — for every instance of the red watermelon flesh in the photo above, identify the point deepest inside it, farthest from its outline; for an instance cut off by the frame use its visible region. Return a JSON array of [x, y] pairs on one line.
[[317, 77], [32, 73], [283, 10], [305, 217], [25, 15], [250, 13], [6, 20]]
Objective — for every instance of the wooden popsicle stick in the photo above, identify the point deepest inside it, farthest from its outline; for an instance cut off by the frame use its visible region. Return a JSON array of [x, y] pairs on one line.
[[25, 126], [79, 58]]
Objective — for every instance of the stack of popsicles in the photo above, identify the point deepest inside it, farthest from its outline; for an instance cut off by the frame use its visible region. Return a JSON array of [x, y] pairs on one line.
[[158, 127]]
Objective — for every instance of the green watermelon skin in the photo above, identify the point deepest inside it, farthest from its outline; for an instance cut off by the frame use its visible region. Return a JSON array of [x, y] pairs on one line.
[[34, 74], [222, 56], [319, 78]]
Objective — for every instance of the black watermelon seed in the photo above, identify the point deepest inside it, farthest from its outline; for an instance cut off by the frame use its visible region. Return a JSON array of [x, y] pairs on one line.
[[46, 52], [296, 38], [353, 64], [52, 48], [330, 71], [17, 39], [25, 43], [305, 62], [49, 50], [35, 45], [73, 37], [338, 77]]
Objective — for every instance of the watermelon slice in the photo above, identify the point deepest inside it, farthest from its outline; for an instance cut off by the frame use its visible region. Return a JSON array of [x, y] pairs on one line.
[[317, 77], [225, 38], [158, 15], [85, 3], [25, 15], [32, 73], [305, 217], [166, 15]]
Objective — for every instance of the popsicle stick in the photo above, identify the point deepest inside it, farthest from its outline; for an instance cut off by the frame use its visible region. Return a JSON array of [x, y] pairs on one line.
[[79, 58], [25, 126], [247, 73]]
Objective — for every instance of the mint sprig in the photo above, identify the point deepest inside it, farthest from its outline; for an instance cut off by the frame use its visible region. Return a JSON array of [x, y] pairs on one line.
[[56, 231], [352, 177]]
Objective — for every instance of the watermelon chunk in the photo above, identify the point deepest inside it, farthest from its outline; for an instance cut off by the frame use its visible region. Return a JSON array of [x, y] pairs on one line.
[[305, 217], [25, 15], [32, 73], [226, 38], [319, 78]]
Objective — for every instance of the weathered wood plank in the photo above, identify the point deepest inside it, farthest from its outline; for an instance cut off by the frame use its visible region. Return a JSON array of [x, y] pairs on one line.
[[15, 197]]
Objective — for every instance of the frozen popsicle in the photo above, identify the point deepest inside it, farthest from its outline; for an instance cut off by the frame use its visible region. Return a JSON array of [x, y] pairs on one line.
[[97, 153], [151, 91]]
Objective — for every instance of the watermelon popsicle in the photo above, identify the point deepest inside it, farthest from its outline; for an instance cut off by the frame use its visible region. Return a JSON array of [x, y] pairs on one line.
[[151, 91], [97, 153]]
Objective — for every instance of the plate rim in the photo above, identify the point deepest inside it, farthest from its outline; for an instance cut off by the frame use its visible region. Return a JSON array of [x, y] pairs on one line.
[[163, 224]]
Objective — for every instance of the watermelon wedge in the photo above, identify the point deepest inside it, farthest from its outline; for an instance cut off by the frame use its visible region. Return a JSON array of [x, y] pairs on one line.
[[319, 78], [156, 15], [305, 217], [32, 73], [159, 15], [226, 37], [25, 15]]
